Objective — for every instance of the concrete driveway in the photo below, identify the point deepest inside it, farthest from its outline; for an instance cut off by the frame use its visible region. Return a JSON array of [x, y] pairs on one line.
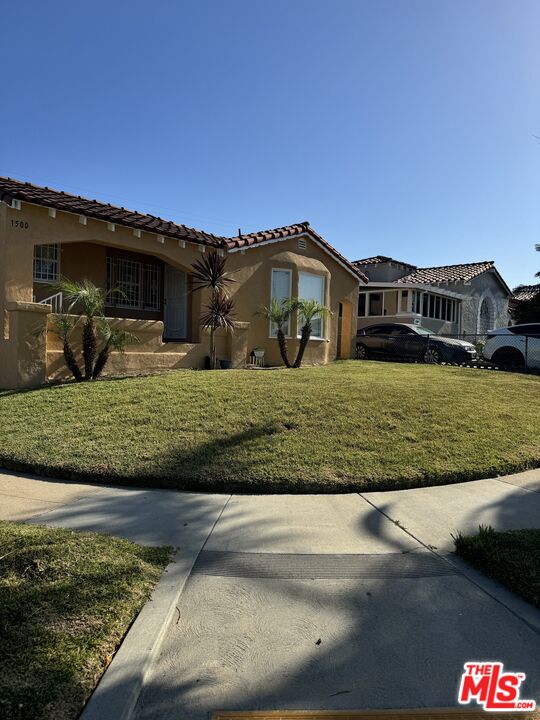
[[322, 601]]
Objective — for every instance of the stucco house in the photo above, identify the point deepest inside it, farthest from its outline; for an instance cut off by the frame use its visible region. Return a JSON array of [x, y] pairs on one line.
[[464, 299], [47, 233]]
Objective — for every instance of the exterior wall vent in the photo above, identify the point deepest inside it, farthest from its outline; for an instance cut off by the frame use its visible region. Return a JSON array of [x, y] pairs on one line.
[[302, 243]]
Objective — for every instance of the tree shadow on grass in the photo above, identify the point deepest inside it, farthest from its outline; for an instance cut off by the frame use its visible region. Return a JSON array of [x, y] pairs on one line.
[[58, 626]]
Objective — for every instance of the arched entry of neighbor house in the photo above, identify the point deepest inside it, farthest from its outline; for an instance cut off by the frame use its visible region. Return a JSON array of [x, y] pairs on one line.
[[344, 329], [485, 316]]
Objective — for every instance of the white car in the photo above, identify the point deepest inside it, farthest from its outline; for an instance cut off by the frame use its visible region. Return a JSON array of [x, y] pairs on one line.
[[515, 346]]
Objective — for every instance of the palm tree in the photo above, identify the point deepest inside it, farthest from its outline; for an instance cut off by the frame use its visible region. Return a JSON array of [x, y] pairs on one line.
[[90, 299], [63, 327], [218, 314], [278, 313], [115, 339], [528, 310], [209, 273], [308, 310]]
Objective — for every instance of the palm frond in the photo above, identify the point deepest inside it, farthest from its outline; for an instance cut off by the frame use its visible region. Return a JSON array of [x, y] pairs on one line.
[[278, 312], [219, 312], [115, 338], [119, 339], [84, 295], [309, 309], [62, 325], [210, 272]]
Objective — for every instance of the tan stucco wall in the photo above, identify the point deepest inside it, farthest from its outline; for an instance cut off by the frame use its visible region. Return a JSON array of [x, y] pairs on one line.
[[78, 261], [149, 355], [83, 255], [253, 273], [23, 359]]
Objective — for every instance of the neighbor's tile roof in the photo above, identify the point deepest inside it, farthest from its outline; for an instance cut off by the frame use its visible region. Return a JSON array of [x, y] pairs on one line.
[[447, 273], [27, 192], [282, 233], [378, 259], [526, 292]]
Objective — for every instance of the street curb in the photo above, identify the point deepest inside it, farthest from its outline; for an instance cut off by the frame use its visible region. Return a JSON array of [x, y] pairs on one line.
[[117, 693]]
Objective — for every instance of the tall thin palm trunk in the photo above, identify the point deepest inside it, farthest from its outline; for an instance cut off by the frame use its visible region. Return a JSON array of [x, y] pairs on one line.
[[212, 349], [89, 347], [282, 342], [69, 357], [102, 360], [304, 339]]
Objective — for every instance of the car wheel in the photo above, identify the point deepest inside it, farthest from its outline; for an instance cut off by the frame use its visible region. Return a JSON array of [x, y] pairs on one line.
[[432, 356], [508, 357], [361, 352]]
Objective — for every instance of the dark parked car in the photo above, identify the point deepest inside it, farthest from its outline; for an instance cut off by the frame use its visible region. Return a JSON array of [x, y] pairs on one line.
[[402, 340]]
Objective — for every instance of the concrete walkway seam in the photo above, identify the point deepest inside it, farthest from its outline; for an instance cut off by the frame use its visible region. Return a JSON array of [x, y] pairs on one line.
[[514, 604]]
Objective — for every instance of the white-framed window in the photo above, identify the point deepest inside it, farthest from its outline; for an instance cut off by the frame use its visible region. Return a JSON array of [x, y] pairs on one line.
[[438, 307], [311, 287], [138, 284], [46, 263], [281, 290]]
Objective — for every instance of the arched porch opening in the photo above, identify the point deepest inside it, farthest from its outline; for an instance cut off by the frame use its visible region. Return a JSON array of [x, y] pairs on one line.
[[486, 315], [140, 285]]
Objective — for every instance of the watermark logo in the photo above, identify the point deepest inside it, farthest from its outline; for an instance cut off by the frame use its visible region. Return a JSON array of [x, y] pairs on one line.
[[489, 685]]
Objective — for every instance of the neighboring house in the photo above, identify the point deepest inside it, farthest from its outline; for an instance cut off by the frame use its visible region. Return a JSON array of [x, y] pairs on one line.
[[465, 299], [522, 294], [45, 233]]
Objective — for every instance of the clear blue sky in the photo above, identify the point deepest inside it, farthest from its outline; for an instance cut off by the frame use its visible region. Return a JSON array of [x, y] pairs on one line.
[[398, 128]]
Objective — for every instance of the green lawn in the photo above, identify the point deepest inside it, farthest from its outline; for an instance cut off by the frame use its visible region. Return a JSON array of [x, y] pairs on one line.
[[66, 601], [512, 558], [347, 426]]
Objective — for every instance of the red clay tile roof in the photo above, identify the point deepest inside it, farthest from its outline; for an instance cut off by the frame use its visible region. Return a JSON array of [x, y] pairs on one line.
[[447, 273], [27, 192], [378, 259], [526, 292], [282, 233], [47, 197]]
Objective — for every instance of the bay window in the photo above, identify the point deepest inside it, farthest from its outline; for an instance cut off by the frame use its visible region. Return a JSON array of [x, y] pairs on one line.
[[281, 290], [311, 287]]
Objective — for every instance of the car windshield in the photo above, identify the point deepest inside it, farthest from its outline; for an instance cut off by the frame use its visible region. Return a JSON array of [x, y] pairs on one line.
[[423, 331]]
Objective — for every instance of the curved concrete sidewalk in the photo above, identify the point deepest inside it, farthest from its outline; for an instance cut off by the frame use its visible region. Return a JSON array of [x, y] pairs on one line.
[[379, 615]]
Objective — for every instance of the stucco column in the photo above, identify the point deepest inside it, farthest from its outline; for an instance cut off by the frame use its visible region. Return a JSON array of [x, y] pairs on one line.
[[24, 351]]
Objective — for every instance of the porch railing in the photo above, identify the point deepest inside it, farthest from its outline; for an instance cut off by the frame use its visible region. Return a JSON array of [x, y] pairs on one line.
[[56, 300]]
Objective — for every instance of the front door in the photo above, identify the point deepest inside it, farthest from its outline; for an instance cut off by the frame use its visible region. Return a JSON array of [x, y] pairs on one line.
[[175, 304]]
